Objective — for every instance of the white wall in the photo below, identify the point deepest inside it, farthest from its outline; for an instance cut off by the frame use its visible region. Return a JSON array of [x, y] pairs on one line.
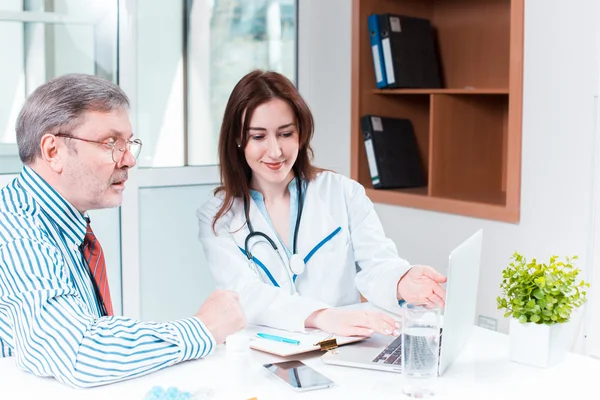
[[592, 327], [324, 50], [560, 81], [175, 278]]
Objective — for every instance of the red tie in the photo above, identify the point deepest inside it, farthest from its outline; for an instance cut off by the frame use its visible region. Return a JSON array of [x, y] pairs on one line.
[[94, 256]]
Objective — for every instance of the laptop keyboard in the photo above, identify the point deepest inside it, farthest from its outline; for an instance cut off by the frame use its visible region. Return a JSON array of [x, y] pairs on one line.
[[392, 354]]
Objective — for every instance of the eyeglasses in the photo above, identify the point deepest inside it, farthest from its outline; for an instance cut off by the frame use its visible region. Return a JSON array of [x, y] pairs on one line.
[[117, 147]]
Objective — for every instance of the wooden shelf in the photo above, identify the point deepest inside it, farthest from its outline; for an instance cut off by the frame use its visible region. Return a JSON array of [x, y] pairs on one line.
[[469, 132], [414, 199], [439, 91]]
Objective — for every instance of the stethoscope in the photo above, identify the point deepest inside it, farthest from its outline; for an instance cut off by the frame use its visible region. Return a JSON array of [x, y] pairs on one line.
[[296, 264]]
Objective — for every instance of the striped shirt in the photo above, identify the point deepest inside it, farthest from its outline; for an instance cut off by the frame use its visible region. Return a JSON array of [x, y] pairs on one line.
[[49, 315]]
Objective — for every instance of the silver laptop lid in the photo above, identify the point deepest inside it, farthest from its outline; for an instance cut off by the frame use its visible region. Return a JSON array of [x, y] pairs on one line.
[[461, 298]]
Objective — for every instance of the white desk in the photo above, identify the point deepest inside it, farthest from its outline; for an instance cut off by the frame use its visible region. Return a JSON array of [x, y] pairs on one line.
[[483, 371]]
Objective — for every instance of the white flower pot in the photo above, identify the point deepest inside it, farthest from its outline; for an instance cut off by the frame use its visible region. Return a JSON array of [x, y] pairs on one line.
[[537, 344]]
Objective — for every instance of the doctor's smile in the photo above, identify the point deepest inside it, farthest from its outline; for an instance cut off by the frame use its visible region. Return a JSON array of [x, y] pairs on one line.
[[274, 166]]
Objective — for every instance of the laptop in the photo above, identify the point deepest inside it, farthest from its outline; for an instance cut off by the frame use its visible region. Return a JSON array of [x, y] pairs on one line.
[[384, 353]]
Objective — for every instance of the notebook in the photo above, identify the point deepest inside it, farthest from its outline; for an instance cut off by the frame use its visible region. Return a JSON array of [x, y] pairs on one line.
[[409, 52], [309, 341], [392, 152]]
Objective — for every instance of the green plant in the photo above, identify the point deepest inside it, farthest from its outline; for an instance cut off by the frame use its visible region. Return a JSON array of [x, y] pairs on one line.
[[541, 293]]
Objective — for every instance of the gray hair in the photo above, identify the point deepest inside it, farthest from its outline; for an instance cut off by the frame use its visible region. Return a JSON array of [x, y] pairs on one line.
[[59, 105]]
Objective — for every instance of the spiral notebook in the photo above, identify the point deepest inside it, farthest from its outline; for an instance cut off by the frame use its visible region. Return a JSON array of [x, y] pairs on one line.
[[312, 340]]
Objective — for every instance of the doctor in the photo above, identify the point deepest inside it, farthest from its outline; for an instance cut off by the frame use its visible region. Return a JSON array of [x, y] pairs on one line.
[[287, 236]]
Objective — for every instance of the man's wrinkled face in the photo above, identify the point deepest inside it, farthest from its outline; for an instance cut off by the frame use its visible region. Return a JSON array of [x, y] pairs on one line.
[[94, 179]]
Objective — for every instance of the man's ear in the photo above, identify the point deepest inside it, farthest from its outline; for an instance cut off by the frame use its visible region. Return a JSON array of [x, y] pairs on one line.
[[49, 146]]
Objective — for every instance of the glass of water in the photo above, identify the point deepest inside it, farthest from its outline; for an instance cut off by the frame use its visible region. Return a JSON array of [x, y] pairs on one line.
[[420, 349]]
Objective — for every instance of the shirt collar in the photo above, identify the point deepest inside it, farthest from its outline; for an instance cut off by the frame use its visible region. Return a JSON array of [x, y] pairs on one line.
[[258, 196], [68, 219]]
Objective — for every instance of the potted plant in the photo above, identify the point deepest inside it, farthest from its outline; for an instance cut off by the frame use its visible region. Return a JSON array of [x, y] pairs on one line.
[[540, 298]]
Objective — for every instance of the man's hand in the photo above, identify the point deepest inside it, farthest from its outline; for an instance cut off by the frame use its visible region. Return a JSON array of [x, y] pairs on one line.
[[222, 314], [421, 284], [353, 322]]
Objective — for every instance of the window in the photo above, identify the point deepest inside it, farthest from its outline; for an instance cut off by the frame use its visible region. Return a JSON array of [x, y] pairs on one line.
[[44, 39], [190, 56]]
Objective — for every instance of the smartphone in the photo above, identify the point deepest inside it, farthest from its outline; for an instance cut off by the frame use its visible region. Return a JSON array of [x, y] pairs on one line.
[[299, 375]]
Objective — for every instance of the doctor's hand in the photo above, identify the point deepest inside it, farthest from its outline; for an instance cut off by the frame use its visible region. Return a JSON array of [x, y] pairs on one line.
[[353, 322], [421, 284], [222, 314]]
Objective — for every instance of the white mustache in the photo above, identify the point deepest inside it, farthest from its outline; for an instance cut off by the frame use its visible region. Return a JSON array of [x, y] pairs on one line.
[[119, 178]]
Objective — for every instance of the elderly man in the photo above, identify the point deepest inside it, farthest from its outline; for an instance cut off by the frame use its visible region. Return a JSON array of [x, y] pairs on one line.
[[56, 316]]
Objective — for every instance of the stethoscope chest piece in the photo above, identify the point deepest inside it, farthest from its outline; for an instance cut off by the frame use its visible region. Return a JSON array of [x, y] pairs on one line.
[[297, 264]]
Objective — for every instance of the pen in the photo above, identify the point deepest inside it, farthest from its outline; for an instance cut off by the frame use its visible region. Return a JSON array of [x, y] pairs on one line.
[[278, 338]]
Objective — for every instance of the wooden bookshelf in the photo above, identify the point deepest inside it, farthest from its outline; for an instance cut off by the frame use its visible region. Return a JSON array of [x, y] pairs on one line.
[[469, 132], [440, 91]]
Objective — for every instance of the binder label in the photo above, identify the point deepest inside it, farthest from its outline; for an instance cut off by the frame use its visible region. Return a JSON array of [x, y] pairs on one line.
[[395, 24], [377, 62], [371, 160], [376, 124], [387, 57]]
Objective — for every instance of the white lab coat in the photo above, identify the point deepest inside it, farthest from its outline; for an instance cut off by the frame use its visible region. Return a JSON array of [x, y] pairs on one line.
[[330, 279]]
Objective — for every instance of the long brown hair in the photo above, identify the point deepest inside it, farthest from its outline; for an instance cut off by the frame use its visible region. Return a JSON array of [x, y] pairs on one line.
[[253, 90]]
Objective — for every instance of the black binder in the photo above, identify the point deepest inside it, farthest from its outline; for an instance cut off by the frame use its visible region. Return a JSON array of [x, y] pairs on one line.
[[410, 52], [392, 152]]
